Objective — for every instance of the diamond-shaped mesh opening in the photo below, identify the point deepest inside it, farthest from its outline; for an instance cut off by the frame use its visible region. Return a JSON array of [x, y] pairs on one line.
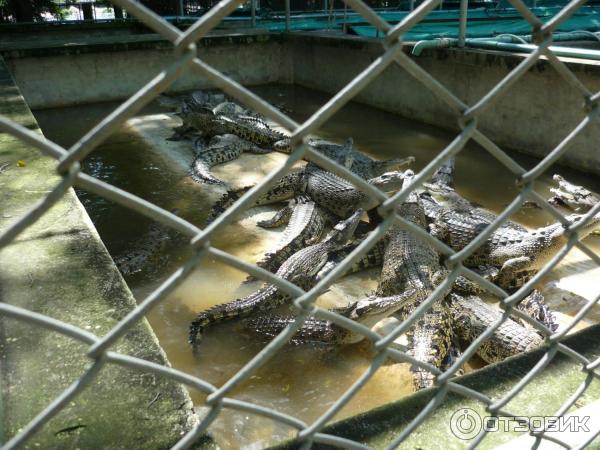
[[203, 253]]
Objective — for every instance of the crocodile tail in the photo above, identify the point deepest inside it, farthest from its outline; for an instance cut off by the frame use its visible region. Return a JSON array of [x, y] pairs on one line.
[[263, 299], [226, 200], [200, 172], [535, 306], [430, 340], [313, 331]]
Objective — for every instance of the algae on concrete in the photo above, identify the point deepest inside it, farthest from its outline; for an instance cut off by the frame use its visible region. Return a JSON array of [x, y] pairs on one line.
[[59, 267], [541, 397]]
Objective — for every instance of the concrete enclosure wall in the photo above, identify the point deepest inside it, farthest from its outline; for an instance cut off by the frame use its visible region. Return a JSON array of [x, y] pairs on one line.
[[533, 116], [100, 71]]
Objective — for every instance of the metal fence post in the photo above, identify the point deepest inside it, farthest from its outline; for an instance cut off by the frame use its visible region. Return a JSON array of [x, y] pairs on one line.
[[462, 27], [253, 13], [287, 15], [180, 8]]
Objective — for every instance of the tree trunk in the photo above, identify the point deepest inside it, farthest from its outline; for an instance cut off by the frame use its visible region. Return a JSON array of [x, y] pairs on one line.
[[23, 10], [118, 12], [88, 13]]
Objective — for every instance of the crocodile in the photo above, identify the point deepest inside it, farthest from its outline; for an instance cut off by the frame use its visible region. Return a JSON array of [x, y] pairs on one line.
[[442, 190], [354, 160], [144, 249], [331, 192], [220, 149], [571, 196], [209, 124], [300, 269], [410, 264], [367, 312], [306, 224], [518, 254], [470, 317]]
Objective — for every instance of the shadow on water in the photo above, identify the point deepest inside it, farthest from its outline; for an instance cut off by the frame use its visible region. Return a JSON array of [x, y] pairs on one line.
[[302, 382]]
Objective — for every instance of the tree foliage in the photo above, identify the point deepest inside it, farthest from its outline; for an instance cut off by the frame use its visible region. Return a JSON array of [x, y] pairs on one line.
[[29, 10]]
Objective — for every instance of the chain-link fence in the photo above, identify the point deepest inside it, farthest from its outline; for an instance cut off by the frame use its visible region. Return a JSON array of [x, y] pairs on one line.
[[68, 167]]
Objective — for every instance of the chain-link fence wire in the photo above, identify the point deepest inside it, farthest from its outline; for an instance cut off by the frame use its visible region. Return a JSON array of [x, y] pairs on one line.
[[68, 167]]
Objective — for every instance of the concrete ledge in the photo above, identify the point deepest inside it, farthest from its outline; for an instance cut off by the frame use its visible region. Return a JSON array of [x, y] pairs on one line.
[[542, 397], [60, 267]]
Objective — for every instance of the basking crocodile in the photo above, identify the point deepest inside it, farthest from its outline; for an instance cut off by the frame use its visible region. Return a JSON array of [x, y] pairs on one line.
[[441, 195], [300, 269], [209, 124], [572, 196], [518, 254], [470, 317], [331, 192], [220, 149], [410, 264], [354, 160]]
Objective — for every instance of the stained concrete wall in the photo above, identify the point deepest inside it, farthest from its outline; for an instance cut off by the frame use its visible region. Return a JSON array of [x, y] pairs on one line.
[[59, 267], [532, 117], [62, 73]]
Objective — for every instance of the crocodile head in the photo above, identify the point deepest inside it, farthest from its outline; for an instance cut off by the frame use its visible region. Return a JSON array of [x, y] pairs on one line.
[[392, 164], [344, 230], [389, 181], [371, 310], [282, 146], [447, 195]]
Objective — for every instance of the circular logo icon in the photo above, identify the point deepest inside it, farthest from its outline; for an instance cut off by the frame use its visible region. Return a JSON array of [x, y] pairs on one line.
[[465, 424]]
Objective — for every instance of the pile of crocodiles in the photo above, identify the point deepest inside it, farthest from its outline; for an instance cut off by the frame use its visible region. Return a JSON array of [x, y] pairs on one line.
[[324, 223]]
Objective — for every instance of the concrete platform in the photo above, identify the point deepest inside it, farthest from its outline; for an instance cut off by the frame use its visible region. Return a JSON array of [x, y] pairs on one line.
[[60, 267]]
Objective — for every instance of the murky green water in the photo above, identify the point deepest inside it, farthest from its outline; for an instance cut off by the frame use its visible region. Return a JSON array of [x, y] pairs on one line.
[[298, 381]]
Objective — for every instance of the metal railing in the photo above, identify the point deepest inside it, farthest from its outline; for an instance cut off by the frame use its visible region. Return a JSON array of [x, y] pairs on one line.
[[100, 347]]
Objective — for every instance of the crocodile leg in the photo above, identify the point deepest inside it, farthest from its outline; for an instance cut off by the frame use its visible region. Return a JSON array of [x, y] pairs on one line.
[[282, 217]]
